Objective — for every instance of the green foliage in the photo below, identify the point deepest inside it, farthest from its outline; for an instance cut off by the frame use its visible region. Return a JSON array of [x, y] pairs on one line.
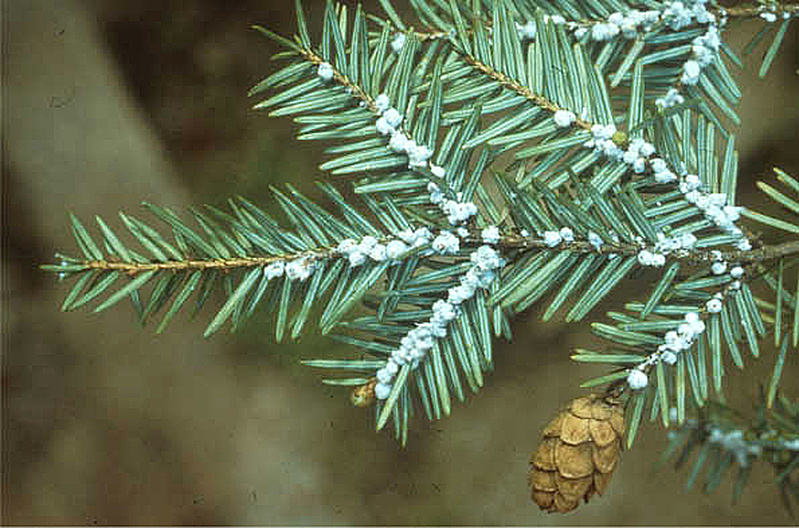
[[526, 130], [233, 251], [726, 443]]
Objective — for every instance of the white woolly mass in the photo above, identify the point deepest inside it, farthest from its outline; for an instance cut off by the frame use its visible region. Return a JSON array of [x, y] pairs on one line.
[[678, 15], [346, 246], [458, 212], [602, 141], [383, 128], [437, 171], [552, 238], [690, 72], [300, 269], [718, 268], [388, 125], [602, 31], [644, 149], [713, 305], [370, 248], [486, 258], [399, 142], [395, 249], [648, 258], [668, 357], [274, 270], [689, 183], [691, 317], [564, 118], [792, 445], [526, 31], [768, 16], [661, 171], [595, 240], [419, 237], [382, 103], [459, 294], [675, 342], [377, 253], [637, 379], [616, 19], [398, 42], [671, 98], [566, 234], [490, 235], [417, 342], [393, 117], [627, 24], [704, 49], [418, 154], [382, 391], [715, 209], [734, 442], [733, 213], [638, 155], [436, 196], [702, 55], [666, 245], [367, 243], [665, 176], [325, 71], [446, 243], [443, 312], [356, 258], [658, 165]]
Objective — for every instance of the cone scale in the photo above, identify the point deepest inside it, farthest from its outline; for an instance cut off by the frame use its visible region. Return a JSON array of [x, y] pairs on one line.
[[576, 457]]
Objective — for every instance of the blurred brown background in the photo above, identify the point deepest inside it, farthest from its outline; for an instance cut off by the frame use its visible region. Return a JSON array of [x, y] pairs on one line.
[[108, 103]]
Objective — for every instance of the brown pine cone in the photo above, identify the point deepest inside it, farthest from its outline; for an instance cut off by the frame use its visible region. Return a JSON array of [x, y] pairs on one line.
[[363, 395], [577, 455]]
